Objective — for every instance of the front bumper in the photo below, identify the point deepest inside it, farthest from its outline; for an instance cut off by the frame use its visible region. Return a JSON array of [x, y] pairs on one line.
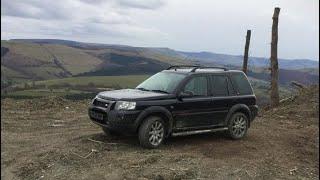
[[121, 121]]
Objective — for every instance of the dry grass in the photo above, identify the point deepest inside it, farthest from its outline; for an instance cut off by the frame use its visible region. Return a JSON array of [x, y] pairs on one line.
[[74, 60]]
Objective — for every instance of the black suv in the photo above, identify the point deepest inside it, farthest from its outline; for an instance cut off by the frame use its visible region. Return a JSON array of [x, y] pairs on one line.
[[180, 100]]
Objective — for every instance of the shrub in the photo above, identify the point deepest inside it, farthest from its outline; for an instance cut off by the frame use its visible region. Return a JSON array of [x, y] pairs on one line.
[[26, 86], [91, 84], [116, 86]]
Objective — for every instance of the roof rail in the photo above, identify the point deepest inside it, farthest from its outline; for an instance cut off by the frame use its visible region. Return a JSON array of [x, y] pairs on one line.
[[195, 67], [209, 67], [182, 66]]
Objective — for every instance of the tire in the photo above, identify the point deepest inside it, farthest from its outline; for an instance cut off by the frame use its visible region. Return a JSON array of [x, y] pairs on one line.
[[109, 132], [152, 132], [237, 126]]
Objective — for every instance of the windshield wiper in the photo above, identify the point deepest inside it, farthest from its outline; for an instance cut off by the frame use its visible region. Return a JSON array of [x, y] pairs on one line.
[[161, 91], [143, 89]]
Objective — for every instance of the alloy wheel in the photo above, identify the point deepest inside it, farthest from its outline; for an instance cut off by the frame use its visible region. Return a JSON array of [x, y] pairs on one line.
[[239, 126], [156, 133]]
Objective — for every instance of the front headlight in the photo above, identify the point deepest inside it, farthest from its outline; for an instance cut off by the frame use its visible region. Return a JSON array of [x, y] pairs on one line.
[[125, 105]]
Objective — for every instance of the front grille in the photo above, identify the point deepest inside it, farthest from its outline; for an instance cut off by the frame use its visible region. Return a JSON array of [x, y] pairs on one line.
[[98, 116], [98, 103]]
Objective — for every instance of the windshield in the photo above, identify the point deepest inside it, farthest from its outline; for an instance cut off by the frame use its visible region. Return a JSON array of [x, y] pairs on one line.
[[161, 82]]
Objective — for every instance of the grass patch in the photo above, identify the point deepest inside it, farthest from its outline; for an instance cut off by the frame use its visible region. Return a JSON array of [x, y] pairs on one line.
[[38, 93], [74, 88], [44, 92], [129, 81]]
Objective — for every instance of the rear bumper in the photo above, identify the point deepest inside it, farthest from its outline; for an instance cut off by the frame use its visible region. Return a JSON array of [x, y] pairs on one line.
[[254, 111], [120, 121]]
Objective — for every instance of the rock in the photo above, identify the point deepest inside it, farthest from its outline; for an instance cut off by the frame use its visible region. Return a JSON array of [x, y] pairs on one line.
[[159, 177]]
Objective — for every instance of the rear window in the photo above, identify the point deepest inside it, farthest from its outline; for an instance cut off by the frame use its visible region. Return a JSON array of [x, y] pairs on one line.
[[242, 84]]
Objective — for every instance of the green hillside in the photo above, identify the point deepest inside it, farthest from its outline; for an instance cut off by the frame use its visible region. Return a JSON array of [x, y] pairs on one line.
[[74, 60], [43, 61], [30, 50], [34, 60], [29, 61]]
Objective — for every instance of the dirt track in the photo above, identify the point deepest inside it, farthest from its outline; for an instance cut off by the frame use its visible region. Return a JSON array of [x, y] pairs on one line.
[[44, 139]]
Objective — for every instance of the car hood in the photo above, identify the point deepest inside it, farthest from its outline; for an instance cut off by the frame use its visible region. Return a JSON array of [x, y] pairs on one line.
[[132, 94]]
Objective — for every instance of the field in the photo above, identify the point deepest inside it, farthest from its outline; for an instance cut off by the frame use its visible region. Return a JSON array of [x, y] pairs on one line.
[[44, 92], [74, 87], [101, 81], [52, 138], [88, 86]]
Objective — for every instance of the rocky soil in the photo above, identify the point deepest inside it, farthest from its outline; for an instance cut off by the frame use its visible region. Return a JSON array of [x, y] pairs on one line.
[[52, 138]]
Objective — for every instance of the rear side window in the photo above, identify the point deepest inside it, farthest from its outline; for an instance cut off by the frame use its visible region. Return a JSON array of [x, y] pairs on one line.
[[242, 83], [220, 86]]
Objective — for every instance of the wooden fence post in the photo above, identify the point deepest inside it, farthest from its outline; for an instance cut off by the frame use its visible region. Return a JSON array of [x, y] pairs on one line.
[[274, 60], [246, 52]]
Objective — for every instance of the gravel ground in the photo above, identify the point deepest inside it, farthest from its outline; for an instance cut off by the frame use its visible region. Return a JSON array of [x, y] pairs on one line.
[[53, 138]]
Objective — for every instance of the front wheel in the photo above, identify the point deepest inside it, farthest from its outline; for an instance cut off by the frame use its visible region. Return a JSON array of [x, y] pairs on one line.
[[152, 132], [238, 125]]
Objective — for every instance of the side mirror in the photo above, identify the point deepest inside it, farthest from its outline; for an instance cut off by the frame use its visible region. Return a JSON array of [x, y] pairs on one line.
[[184, 94]]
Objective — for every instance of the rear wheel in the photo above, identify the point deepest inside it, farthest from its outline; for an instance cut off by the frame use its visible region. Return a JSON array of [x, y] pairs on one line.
[[152, 132], [238, 125]]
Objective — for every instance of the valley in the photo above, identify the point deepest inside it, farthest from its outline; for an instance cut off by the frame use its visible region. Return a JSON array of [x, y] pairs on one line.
[[61, 67]]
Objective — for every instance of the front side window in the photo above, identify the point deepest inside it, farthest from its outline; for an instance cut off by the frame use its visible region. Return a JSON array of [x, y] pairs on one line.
[[162, 81], [197, 86]]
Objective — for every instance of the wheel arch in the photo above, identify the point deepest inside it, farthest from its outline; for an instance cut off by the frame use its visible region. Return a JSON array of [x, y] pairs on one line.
[[155, 111], [239, 108]]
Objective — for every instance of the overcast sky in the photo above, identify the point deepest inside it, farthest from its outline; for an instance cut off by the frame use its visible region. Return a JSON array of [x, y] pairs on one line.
[[190, 25]]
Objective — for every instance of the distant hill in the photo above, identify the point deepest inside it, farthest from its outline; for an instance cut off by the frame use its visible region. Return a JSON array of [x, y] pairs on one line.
[[224, 59], [201, 57], [46, 61], [48, 41], [42, 59], [26, 60]]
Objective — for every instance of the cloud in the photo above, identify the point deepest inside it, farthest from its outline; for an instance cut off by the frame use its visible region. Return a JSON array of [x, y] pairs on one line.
[[189, 25], [137, 4], [96, 10], [77, 30], [142, 4], [71, 18], [93, 1], [35, 9]]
